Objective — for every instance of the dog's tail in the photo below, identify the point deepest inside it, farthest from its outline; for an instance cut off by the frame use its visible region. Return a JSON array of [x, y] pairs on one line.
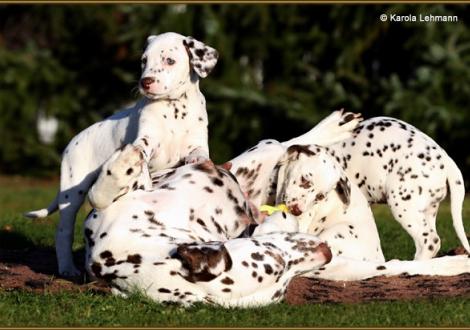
[[457, 195], [338, 126], [42, 213]]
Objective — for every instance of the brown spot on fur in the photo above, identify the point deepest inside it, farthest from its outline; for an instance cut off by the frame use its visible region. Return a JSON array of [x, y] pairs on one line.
[[300, 149], [227, 280], [201, 261], [134, 258]]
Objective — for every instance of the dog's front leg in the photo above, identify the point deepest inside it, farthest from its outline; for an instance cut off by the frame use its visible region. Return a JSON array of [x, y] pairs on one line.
[[121, 173]]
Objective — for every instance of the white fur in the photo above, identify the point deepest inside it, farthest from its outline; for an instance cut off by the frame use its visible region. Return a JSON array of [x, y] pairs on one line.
[[329, 206], [277, 222], [253, 167], [346, 222], [393, 162], [141, 240], [169, 125]]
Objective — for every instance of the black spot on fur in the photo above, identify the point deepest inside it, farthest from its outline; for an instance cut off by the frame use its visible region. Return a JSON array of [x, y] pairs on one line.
[[106, 254], [200, 52], [301, 149], [217, 182], [96, 269], [268, 269], [134, 259]]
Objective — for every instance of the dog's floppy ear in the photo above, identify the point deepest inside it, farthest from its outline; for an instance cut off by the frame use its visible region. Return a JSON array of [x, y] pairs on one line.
[[202, 58], [278, 175], [343, 189]]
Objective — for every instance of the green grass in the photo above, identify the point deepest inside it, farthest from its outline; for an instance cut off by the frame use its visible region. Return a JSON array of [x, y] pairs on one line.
[[93, 309], [21, 309]]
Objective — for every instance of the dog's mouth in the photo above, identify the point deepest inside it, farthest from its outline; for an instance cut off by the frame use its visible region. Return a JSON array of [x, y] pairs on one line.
[[152, 96], [295, 210]]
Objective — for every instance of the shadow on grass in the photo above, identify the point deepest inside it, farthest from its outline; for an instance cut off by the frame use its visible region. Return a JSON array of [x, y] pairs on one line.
[[18, 249]]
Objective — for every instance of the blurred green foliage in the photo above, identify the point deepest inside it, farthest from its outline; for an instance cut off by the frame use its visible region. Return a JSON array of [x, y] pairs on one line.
[[281, 69]]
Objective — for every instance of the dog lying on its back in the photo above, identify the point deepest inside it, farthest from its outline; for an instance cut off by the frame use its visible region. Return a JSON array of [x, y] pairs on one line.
[[181, 238], [169, 125]]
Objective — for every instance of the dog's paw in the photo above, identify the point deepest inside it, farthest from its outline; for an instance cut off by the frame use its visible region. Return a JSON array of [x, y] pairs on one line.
[[70, 271], [127, 166], [339, 126], [349, 120]]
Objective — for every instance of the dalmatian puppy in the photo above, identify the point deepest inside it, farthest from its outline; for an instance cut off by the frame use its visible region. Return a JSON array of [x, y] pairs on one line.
[[393, 162], [327, 204], [177, 242], [253, 167], [169, 125], [314, 187]]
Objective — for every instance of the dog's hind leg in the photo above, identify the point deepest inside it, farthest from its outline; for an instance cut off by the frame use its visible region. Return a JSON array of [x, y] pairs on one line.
[[74, 184], [344, 269]]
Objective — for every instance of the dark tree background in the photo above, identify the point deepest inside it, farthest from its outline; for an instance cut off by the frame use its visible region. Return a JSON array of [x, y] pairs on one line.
[[282, 68]]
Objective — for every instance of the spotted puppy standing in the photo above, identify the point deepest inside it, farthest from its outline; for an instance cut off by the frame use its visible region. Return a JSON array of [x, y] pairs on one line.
[[317, 190], [393, 162], [169, 125], [177, 241]]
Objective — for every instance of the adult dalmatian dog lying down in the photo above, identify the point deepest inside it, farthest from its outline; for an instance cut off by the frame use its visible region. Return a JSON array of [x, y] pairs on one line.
[[185, 228], [179, 241]]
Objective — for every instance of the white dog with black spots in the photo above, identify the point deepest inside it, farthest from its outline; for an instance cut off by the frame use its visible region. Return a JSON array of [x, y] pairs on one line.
[[169, 125], [393, 162], [177, 242], [327, 204], [389, 160]]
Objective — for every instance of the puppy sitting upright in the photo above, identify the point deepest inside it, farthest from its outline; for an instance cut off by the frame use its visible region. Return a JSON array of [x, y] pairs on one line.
[[169, 125]]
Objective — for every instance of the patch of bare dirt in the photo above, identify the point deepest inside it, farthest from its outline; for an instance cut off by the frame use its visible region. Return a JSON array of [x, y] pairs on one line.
[[35, 270], [303, 290]]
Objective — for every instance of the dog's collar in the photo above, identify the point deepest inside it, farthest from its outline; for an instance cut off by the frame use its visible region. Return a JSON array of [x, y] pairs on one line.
[[271, 209]]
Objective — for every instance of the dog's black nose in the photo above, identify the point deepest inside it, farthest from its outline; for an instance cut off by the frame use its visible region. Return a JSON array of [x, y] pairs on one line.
[[146, 82]]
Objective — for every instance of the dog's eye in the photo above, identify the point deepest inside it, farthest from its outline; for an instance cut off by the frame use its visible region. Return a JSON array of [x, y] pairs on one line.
[[304, 183], [170, 61], [320, 196], [144, 60]]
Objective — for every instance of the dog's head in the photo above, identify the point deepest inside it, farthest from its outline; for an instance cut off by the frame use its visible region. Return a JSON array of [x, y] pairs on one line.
[[170, 62], [307, 176]]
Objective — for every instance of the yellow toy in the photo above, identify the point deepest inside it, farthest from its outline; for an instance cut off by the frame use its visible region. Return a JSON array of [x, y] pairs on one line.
[[271, 209]]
